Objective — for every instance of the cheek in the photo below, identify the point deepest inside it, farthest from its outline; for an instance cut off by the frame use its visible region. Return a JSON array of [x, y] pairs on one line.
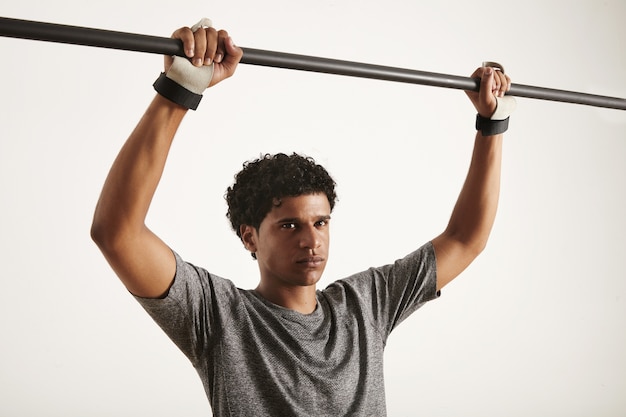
[[268, 245], [326, 238]]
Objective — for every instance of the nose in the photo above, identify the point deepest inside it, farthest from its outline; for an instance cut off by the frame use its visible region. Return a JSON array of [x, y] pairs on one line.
[[310, 238]]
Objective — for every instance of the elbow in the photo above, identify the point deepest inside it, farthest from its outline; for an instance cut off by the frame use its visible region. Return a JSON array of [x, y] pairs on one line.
[[478, 246], [105, 235], [98, 233], [113, 231], [479, 242], [473, 244], [99, 228], [113, 236], [473, 239]]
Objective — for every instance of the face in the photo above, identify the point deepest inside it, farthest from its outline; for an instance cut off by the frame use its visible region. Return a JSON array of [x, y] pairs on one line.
[[291, 244]]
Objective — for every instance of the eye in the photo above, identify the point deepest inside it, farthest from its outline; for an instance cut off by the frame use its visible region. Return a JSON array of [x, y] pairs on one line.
[[322, 223], [288, 226]]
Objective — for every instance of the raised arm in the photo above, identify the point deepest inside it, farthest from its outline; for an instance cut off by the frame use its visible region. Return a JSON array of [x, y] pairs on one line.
[[143, 262], [474, 213]]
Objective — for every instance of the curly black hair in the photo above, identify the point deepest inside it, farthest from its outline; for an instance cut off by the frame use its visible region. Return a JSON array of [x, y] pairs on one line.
[[263, 182]]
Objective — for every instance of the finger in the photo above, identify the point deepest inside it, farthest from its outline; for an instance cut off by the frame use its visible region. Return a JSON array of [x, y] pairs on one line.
[[211, 45], [186, 36], [502, 83], [497, 82], [199, 47], [478, 73], [222, 38], [508, 82]]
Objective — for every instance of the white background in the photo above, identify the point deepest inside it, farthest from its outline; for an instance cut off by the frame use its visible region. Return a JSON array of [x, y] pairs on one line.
[[536, 326]]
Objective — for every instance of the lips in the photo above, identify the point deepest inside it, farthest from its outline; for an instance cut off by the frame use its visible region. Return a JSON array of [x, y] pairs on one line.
[[311, 261]]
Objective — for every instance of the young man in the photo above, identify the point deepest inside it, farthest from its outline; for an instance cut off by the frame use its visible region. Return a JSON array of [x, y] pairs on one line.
[[285, 348]]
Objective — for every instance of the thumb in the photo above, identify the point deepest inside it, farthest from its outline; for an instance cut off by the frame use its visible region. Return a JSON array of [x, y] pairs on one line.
[[233, 52], [486, 84], [486, 101]]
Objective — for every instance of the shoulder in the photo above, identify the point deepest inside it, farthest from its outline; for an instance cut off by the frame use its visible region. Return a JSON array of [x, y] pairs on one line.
[[421, 263], [389, 292], [193, 284]]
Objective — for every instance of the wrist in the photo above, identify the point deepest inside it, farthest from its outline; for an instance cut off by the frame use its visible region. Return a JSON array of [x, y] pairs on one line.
[[490, 127], [176, 93], [169, 108], [498, 122]]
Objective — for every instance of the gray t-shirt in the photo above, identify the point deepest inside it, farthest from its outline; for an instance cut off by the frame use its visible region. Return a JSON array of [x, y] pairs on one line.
[[259, 359]]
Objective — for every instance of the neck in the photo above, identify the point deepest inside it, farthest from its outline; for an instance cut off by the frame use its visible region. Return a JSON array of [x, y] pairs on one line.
[[298, 298]]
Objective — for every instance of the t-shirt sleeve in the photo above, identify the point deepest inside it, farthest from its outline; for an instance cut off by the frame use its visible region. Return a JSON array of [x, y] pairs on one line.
[[411, 282], [393, 292], [185, 313]]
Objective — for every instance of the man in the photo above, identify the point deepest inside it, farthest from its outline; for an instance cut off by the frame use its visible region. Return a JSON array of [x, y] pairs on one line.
[[285, 348]]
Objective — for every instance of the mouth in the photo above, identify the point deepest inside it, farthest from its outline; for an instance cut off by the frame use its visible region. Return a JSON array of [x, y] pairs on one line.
[[311, 261]]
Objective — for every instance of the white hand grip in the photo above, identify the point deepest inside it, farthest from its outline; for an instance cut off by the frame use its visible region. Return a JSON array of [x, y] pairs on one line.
[[182, 71]]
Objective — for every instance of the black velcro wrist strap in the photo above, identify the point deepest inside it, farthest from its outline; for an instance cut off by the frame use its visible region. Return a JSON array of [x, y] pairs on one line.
[[490, 127], [176, 93]]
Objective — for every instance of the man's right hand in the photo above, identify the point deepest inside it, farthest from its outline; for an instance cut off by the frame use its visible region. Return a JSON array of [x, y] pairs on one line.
[[208, 46]]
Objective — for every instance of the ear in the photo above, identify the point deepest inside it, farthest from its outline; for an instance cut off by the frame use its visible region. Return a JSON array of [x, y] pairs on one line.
[[248, 237]]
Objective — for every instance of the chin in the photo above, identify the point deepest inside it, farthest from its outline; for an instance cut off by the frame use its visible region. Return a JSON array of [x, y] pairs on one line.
[[310, 279]]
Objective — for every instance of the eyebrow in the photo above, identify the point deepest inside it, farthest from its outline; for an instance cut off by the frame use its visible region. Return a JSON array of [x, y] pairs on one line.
[[297, 220]]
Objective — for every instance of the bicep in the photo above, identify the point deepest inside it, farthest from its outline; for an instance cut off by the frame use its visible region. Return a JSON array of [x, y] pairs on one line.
[[143, 262], [453, 257]]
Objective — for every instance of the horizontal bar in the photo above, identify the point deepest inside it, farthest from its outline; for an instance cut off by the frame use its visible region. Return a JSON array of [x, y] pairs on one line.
[[51, 32]]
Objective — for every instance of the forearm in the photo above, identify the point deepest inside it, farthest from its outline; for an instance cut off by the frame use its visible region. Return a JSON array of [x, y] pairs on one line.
[[474, 213], [136, 172], [475, 210]]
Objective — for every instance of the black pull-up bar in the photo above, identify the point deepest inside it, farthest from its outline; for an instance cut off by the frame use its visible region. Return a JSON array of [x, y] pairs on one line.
[[51, 32]]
